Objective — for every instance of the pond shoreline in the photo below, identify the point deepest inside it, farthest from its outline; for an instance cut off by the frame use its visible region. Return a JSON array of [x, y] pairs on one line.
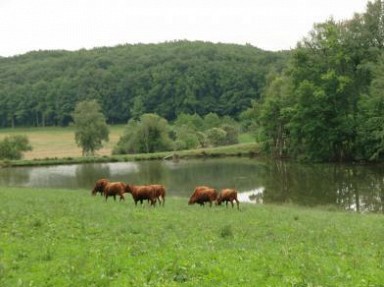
[[240, 150], [348, 186]]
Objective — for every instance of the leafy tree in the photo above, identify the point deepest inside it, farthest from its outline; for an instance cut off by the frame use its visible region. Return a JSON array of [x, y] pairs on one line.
[[323, 123], [129, 141], [193, 121], [274, 115], [231, 134], [371, 118], [211, 120], [192, 131], [91, 127], [203, 139], [153, 133], [249, 119], [186, 138], [12, 147], [187, 129], [216, 136], [138, 108], [316, 109], [147, 135]]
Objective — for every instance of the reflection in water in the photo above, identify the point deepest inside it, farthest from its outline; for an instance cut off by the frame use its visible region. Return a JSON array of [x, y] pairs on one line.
[[350, 187], [14, 176], [119, 168]]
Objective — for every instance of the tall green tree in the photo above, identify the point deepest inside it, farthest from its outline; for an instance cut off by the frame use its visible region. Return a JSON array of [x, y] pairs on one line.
[[371, 118], [323, 74], [275, 114], [326, 106], [138, 108], [91, 128]]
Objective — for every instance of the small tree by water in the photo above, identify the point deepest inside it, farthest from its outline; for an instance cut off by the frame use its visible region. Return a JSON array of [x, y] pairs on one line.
[[12, 147], [148, 134], [91, 127]]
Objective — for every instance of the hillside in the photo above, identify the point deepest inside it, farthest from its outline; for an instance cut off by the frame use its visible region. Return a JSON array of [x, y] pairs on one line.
[[41, 88]]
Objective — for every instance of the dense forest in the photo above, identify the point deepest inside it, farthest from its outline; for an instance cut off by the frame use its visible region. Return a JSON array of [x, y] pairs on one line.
[[41, 88]]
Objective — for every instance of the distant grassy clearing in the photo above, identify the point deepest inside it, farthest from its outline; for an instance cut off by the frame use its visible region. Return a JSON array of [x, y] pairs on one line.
[[57, 142], [246, 138]]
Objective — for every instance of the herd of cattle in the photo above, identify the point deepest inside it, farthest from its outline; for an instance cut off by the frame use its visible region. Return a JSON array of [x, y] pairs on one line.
[[156, 193]]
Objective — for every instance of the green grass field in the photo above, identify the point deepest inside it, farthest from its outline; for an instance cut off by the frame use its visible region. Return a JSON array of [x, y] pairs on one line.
[[69, 238]]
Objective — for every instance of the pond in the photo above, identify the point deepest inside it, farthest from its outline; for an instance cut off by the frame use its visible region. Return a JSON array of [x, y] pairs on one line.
[[349, 187]]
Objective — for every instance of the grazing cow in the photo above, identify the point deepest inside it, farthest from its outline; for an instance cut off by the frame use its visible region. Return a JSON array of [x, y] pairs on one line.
[[107, 189], [141, 192], [99, 186], [160, 193], [203, 194], [113, 189], [226, 195]]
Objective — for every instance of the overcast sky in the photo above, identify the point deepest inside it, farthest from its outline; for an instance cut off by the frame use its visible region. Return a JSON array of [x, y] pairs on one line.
[[27, 25]]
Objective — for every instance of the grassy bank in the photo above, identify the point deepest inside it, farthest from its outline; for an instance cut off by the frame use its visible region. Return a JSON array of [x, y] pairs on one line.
[[68, 238], [55, 145]]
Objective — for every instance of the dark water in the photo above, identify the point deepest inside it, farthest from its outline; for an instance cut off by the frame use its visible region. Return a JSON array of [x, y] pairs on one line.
[[349, 187]]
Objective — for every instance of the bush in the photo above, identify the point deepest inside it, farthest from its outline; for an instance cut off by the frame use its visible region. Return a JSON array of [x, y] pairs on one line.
[[12, 147], [149, 134], [232, 134], [186, 138], [216, 136]]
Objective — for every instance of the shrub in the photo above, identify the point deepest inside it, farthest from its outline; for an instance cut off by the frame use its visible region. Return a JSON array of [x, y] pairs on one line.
[[149, 134], [216, 136], [12, 147]]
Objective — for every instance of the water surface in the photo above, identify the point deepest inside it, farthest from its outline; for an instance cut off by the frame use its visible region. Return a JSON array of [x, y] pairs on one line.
[[350, 187]]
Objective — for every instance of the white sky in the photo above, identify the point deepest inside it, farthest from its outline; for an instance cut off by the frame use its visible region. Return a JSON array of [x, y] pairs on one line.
[[27, 25]]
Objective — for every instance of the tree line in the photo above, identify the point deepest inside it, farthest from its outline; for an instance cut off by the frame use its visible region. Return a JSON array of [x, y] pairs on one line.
[[151, 133], [42, 88]]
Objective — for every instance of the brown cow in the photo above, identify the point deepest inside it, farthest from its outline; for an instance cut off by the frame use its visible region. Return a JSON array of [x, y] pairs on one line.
[[99, 186], [141, 192], [203, 194], [109, 189], [226, 195], [113, 189], [160, 193]]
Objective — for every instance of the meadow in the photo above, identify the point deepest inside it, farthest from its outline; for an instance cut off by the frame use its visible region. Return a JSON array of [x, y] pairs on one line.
[[56, 145], [59, 142], [69, 238]]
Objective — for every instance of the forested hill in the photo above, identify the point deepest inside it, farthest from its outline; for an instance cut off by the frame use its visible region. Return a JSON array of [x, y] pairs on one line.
[[42, 88]]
